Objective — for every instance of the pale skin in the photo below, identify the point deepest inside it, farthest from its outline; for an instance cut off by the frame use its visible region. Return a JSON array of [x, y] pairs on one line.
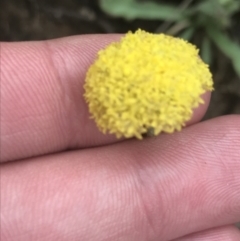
[[61, 179]]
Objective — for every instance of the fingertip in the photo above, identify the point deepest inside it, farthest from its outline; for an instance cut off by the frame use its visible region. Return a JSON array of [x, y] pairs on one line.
[[200, 111]]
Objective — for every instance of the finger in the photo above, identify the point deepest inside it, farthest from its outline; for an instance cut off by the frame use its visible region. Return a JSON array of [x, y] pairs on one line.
[[227, 233], [42, 105], [158, 189]]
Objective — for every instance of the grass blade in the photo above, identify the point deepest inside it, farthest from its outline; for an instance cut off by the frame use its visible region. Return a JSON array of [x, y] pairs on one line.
[[132, 9], [226, 45], [206, 51]]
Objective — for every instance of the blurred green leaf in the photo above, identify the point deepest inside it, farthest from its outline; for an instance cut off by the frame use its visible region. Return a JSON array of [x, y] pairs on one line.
[[214, 10], [132, 9], [210, 8], [206, 51], [231, 6], [226, 45], [187, 33]]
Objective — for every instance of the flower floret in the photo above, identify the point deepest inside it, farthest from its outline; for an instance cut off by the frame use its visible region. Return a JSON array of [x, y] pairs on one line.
[[146, 82]]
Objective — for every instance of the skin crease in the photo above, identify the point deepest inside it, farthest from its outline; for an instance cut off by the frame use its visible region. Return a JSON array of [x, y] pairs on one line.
[[61, 179]]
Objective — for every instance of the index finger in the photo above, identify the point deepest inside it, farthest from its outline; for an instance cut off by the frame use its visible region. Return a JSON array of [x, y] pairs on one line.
[[43, 110]]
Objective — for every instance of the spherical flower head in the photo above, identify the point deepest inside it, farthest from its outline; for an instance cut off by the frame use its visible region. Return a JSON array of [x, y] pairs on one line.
[[146, 82]]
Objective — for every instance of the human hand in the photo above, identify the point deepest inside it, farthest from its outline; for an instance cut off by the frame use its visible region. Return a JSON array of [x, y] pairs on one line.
[[61, 179]]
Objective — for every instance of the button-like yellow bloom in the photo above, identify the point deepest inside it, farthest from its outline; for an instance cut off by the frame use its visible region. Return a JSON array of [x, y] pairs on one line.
[[146, 82]]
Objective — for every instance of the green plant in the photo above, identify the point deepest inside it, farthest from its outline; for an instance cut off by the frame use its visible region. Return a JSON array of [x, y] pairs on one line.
[[212, 17]]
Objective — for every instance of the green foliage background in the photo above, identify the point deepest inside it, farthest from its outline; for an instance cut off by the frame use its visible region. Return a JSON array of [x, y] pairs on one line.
[[213, 18]]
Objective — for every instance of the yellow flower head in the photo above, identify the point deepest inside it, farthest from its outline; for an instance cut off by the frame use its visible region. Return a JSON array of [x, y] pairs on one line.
[[146, 82]]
